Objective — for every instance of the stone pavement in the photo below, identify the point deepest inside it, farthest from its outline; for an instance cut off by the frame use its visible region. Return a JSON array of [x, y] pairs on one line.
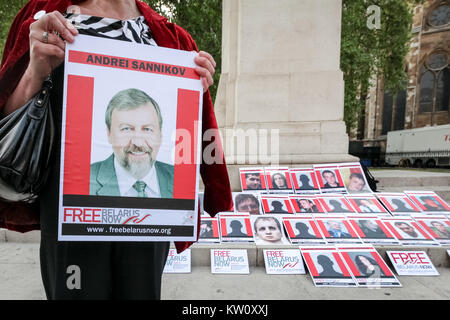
[[20, 280]]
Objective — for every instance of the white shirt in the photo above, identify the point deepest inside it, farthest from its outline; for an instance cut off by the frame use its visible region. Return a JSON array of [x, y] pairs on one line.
[[126, 182]]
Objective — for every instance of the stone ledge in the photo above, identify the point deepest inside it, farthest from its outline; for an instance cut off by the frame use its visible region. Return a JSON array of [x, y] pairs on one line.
[[201, 251]]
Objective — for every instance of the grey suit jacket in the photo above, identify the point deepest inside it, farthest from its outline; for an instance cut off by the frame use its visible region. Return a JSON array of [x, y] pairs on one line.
[[103, 180]]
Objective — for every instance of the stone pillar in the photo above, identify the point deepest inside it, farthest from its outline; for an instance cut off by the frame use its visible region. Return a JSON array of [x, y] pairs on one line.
[[280, 70]]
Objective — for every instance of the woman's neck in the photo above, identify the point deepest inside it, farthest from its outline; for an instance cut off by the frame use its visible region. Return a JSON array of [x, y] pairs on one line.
[[116, 9]]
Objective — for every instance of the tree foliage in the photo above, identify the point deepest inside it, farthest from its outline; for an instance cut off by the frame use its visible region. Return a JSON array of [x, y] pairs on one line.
[[8, 10], [203, 20], [366, 52]]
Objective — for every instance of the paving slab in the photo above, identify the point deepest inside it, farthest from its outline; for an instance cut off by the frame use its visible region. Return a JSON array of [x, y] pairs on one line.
[[20, 279]]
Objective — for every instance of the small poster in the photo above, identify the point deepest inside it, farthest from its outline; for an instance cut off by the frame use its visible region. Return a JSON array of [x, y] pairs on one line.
[[398, 204], [306, 204], [326, 267], [412, 263], [235, 227], [303, 230], [276, 204], [336, 229], [268, 229], [366, 204], [354, 178], [429, 202], [178, 263], [252, 179], [304, 180], [329, 178], [278, 180], [372, 230], [287, 261], [247, 202], [229, 261], [130, 142], [335, 203], [368, 267], [209, 230], [437, 226], [408, 231]]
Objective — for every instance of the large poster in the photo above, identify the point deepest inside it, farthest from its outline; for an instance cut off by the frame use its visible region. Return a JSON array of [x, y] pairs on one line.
[[130, 143]]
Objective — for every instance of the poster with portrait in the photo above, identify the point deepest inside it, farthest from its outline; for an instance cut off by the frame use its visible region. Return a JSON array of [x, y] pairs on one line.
[[326, 267], [276, 204], [229, 261], [303, 230], [304, 180], [283, 261], [278, 180], [329, 178], [366, 204], [368, 267], [354, 178], [235, 227], [209, 230], [412, 263], [429, 202], [335, 203], [438, 226], [336, 228], [268, 230], [178, 262], [408, 232], [398, 204], [247, 202], [306, 204], [371, 229], [131, 146], [252, 179]]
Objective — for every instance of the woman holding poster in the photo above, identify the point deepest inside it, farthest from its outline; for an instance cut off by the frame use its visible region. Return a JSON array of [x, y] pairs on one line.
[[35, 48]]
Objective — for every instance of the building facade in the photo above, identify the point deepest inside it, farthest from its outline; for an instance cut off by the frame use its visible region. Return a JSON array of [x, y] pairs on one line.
[[426, 99]]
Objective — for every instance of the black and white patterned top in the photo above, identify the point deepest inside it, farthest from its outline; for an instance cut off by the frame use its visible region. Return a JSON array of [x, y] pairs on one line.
[[133, 30]]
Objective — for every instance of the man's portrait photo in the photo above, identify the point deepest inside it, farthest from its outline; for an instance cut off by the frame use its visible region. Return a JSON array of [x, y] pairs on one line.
[[431, 204], [354, 180], [253, 181], [134, 131], [407, 231], [329, 179], [246, 202], [337, 229]]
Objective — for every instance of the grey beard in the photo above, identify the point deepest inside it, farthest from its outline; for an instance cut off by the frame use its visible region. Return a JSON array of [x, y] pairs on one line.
[[137, 170]]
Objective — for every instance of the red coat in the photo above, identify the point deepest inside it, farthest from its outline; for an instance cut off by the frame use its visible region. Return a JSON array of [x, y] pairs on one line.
[[25, 217]]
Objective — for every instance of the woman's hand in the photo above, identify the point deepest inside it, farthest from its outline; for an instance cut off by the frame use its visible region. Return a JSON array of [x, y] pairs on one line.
[[46, 46], [205, 68]]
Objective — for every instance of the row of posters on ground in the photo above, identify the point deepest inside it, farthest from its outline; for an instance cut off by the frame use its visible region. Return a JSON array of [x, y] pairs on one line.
[[323, 178], [320, 229], [392, 203], [329, 266]]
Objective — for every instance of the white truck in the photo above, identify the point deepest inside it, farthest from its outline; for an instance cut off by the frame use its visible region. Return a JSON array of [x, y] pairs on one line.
[[421, 147]]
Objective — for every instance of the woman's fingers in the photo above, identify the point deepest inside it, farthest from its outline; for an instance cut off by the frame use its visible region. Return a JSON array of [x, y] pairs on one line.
[[205, 68]]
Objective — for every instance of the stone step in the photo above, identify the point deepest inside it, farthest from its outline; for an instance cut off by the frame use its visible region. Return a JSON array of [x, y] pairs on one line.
[[408, 178], [442, 191]]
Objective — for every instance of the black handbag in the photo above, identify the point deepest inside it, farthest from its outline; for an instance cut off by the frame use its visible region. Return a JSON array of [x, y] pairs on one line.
[[26, 140]]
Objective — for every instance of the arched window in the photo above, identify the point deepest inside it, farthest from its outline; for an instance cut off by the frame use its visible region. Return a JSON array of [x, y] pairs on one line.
[[435, 84], [439, 17], [394, 108]]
